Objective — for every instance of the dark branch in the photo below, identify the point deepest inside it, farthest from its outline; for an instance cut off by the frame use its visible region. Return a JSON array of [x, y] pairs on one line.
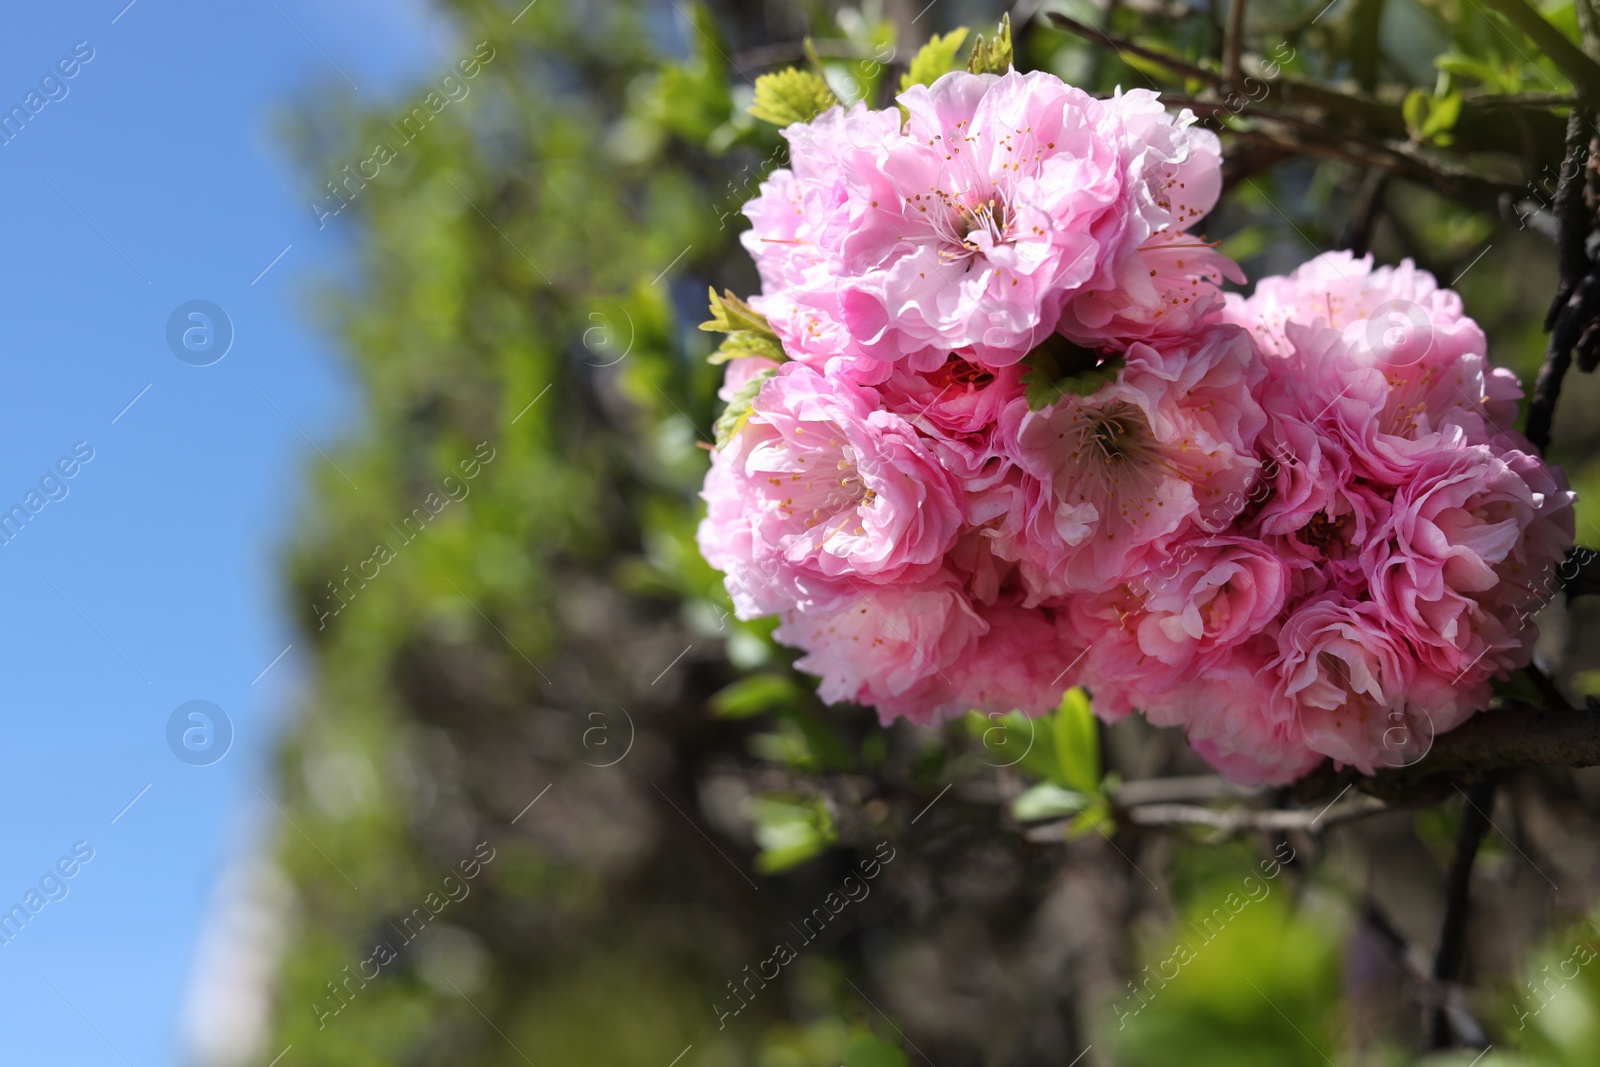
[[1485, 744], [1577, 302], [1364, 219], [1233, 44], [1122, 44], [1453, 935]]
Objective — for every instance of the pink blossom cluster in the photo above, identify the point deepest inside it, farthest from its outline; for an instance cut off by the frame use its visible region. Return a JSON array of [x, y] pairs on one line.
[[1298, 526]]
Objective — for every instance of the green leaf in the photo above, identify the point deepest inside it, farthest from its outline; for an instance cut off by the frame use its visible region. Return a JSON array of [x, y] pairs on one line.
[[1446, 110], [1414, 111], [934, 59], [753, 696], [1014, 740], [992, 57], [742, 344], [1046, 800], [865, 1050], [729, 314], [1060, 368], [737, 413], [790, 831], [790, 96], [1465, 66], [1077, 742], [747, 330], [1430, 118]]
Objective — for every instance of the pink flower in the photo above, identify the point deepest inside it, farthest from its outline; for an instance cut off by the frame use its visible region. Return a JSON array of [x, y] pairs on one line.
[[1025, 662], [926, 652], [973, 227], [959, 398], [797, 212], [1349, 678], [1112, 476], [1337, 289], [1300, 528], [889, 646], [1395, 324], [965, 230], [1226, 718], [821, 491], [1451, 567], [1185, 615], [1159, 281]]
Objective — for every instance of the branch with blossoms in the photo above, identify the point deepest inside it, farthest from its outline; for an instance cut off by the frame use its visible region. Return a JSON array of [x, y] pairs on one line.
[[994, 432]]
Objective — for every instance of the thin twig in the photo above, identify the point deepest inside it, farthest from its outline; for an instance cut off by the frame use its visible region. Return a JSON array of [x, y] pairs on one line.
[[1577, 301], [1452, 936], [1235, 819], [1495, 101], [1176, 790], [1233, 43], [1364, 219], [1123, 44], [1359, 149]]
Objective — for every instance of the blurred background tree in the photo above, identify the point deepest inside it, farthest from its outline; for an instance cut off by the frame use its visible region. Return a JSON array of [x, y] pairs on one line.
[[580, 805]]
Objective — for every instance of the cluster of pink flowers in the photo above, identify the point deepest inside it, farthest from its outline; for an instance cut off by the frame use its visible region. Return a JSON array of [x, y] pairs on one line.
[[1298, 526]]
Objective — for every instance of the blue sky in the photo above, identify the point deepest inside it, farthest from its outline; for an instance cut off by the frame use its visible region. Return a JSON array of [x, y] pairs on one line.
[[149, 578]]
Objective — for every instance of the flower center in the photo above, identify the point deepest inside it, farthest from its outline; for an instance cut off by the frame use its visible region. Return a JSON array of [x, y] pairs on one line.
[[1114, 435], [1325, 534], [824, 497], [966, 225], [957, 371]]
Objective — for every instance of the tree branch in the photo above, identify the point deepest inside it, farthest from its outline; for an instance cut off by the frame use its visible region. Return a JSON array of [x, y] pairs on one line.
[[1452, 936], [1229, 821], [1583, 71], [1364, 219], [1123, 44], [1489, 742], [1577, 302], [1233, 44]]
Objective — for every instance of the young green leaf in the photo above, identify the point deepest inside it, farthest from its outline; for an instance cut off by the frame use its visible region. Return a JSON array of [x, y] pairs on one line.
[[730, 314], [934, 59], [1092, 817], [737, 413], [1442, 118], [790, 830], [742, 343], [992, 57], [747, 330], [1077, 743], [1046, 800], [753, 696], [790, 96], [1059, 368]]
